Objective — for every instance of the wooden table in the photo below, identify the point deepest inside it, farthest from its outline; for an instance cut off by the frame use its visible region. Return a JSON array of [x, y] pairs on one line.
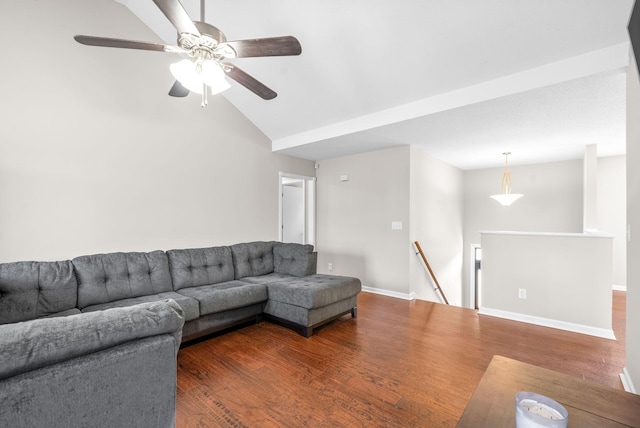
[[589, 404]]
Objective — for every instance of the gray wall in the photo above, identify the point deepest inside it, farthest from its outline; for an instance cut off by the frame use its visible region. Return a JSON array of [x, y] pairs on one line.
[[552, 202], [633, 218], [436, 222], [566, 283], [95, 157], [354, 218], [403, 184], [612, 211]]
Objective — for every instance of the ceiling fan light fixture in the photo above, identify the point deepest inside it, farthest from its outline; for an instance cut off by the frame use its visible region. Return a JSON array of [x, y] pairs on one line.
[[506, 198], [186, 72], [202, 42]]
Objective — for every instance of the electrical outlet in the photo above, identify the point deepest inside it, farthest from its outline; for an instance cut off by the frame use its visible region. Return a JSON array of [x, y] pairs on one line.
[[330, 266], [522, 293]]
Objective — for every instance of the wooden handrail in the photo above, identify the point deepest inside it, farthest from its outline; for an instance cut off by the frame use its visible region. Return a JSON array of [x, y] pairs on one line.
[[433, 275]]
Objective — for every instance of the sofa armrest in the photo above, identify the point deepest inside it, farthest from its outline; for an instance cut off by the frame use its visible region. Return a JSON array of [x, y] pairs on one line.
[[30, 345], [294, 259]]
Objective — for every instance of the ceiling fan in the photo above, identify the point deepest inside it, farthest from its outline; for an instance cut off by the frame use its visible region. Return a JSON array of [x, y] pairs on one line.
[[206, 51]]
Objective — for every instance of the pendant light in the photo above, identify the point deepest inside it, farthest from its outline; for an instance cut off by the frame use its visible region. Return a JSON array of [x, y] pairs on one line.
[[506, 198]]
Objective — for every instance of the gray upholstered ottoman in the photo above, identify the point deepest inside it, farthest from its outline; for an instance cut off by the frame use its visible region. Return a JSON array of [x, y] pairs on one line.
[[308, 302]]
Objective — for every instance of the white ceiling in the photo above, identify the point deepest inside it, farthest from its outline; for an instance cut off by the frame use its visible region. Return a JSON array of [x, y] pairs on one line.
[[465, 79]]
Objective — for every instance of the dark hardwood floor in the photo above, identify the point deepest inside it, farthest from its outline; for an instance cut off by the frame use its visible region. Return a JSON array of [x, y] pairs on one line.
[[399, 364]]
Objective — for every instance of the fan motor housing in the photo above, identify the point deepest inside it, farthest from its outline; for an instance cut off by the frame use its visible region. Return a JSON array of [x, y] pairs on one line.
[[207, 44]]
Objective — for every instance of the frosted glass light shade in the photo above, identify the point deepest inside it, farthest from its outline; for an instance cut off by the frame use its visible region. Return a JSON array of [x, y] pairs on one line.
[[192, 76], [186, 73], [214, 77], [507, 199]]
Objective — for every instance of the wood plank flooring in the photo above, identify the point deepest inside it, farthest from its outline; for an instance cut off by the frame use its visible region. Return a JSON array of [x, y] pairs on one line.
[[399, 364]]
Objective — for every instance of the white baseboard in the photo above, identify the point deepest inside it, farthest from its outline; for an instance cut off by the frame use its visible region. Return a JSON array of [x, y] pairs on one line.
[[397, 295], [546, 322], [615, 287], [626, 381]]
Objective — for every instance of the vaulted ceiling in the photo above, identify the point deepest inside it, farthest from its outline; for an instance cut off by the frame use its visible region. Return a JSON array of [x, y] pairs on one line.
[[466, 80]]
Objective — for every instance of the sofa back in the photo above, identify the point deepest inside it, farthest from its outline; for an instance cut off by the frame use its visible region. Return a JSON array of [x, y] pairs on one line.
[[200, 266], [294, 259], [30, 290], [252, 259], [104, 278]]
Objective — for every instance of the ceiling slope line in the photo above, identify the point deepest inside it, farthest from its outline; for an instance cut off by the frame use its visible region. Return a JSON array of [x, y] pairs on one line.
[[602, 60]]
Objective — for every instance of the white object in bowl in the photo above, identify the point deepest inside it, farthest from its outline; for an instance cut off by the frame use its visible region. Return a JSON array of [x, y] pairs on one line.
[[538, 411]]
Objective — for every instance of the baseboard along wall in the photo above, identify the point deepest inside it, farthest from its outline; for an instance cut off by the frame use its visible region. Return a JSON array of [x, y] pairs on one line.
[[546, 322], [389, 293], [626, 382]]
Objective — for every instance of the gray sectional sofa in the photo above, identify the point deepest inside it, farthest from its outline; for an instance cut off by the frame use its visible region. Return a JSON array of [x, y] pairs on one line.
[[215, 287], [81, 337]]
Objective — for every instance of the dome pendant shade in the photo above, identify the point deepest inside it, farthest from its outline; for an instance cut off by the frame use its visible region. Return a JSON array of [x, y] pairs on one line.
[[506, 198]]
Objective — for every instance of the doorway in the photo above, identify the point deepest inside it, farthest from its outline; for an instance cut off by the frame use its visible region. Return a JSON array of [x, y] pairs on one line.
[[297, 209]]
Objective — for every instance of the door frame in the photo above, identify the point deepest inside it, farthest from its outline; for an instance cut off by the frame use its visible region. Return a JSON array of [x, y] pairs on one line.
[[472, 277], [309, 196]]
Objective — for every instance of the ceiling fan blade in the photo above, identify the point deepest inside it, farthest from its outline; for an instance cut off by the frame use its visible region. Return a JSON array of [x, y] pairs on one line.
[[272, 46], [126, 44], [177, 90], [249, 82], [177, 15]]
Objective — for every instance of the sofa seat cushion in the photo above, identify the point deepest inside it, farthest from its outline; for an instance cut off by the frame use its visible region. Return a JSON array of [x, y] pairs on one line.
[[30, 290], [266, 279], [200, 266], [314, 291], [189, 306], [226, 295]]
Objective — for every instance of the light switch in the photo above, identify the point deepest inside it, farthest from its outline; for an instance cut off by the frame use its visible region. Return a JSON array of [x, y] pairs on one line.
[[396, 225], [344, 177]]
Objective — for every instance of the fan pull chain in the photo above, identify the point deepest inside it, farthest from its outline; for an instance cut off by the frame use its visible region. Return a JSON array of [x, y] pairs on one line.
[[205, 100]]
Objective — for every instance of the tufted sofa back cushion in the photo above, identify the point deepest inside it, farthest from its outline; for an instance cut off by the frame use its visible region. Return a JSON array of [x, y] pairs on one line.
[[104, 278], [294, 259], [30, 290], [200, 266], [253, 259]]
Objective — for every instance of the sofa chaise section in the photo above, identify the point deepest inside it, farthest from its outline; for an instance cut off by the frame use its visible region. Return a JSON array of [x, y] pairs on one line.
[[208, 275], [312, 301], [298, 297]]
